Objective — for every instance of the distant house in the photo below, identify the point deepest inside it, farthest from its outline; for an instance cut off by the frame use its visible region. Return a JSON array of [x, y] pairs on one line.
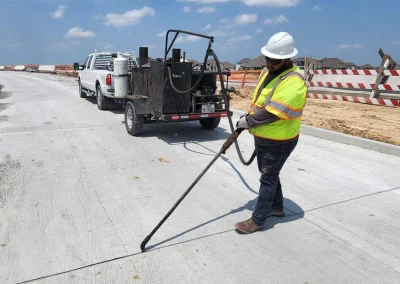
[[332, 63], [257, 63], [228, 65], [225, 65], [239, 64], [366, 66], [350, 65], [299, 62], [211, 61], [195, 62]]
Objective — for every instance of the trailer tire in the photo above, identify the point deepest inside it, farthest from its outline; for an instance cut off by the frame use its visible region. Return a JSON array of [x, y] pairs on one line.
[[81, 93], [210, 123], [133, 121], [102, 101]]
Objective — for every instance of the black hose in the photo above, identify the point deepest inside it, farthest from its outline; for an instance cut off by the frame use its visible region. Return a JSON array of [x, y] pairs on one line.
[[198, 80], [224, 92], [184, 92]]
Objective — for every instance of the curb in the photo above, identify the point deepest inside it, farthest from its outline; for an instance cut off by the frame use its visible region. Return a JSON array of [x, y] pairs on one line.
[[345, 138]]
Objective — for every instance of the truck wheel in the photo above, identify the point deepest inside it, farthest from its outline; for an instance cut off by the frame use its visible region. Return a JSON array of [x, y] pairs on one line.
[[81, 94], [102, 102], [133, 121], [210, 123]]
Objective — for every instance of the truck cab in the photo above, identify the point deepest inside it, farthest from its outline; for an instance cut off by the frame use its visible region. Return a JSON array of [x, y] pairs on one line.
[[95, 77]]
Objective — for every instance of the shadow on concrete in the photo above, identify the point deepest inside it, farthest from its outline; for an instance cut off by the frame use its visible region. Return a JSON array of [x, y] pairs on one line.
[[112, 107], [175, 133], [295, 211], [225, 159], [249, 206]]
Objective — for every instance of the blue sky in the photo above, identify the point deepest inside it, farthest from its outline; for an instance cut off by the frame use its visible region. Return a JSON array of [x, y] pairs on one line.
[[66, 31]]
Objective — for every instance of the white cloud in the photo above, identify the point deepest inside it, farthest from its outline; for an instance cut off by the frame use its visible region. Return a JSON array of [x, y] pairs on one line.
[[97, 17], [59, 13], [272, 3], [79, 32], [276, 20], [207, 27], [149, 45], [10, 45], [58, 47], [351, 46], [237, 39], [63, 47], [189, 38], [265, 3], [132, 17], [108, 46], [162, 34], [396, 43], [224, 20], [245, 19], [317, 8], [187, 9], [206, 10], [205, 1], [219, 33], [258, 31]]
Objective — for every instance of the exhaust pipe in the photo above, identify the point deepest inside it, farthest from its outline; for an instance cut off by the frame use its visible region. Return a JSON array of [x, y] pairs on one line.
[[143, 55]]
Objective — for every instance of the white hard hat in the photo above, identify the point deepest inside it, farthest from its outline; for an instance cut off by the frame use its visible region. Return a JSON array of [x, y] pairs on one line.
[[280, 46]]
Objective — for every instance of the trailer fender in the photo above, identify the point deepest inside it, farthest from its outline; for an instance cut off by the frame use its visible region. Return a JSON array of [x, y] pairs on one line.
[[141, 104]]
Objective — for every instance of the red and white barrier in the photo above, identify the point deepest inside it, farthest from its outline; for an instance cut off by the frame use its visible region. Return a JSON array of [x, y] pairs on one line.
[[351, 76], [364, 72], [383, 87], [362, 100], [46, 68], [391, 72], [19, 68]]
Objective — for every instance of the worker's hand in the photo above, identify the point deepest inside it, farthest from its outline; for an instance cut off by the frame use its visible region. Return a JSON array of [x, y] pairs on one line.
[[242, 123]]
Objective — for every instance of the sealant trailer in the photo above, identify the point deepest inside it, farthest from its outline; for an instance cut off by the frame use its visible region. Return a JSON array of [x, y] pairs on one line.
[[170, 90]]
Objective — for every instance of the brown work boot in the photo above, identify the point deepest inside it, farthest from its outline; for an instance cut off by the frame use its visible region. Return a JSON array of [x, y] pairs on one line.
[[247, 226]]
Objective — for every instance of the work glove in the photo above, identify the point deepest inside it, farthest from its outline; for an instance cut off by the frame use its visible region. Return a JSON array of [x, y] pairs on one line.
[[242, 123]]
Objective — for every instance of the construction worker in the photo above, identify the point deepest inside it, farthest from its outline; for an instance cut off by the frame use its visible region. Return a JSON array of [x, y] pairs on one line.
[[274, 120]]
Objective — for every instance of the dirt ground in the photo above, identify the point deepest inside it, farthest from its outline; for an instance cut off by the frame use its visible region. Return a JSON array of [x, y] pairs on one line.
[[377, 123]]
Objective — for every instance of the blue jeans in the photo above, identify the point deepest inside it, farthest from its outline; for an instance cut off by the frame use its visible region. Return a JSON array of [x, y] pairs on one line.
[[270, 161]]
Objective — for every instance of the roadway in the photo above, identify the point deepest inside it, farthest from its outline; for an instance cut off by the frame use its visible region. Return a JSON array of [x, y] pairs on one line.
[[78, 195]]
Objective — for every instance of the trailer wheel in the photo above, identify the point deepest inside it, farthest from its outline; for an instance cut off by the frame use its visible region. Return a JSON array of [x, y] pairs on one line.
[[133, 121], [102, 101], [81, 93], [210, 123]]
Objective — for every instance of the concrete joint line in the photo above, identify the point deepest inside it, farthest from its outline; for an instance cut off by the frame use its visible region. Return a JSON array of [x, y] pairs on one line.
[[342, 240]]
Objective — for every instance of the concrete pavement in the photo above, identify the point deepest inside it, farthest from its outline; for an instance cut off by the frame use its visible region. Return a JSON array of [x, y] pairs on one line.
[[78, 195]]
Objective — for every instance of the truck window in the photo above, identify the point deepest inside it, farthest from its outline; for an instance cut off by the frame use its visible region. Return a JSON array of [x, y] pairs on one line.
[[101, 62], [86, 61], [90, 61]]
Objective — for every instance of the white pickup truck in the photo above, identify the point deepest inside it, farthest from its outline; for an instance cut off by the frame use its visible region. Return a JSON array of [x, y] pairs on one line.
[[95, 77]]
